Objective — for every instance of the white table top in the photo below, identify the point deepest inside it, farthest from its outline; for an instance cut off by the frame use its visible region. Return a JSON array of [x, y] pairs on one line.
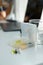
[[30, 56]]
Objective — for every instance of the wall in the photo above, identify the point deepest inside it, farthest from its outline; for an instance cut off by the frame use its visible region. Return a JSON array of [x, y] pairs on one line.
[[20, 9]]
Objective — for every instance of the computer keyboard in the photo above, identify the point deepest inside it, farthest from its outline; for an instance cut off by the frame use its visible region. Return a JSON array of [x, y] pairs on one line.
[[11, 26]]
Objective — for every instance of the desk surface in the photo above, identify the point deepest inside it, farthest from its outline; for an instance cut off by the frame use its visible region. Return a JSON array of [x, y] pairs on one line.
[[30, 56]]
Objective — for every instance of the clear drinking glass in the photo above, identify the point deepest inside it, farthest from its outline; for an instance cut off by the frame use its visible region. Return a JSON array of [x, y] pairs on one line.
[[34, 21], [29, 32]]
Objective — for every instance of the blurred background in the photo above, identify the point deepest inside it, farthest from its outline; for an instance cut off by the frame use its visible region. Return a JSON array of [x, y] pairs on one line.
[[22, 11], [33, 10], [6, 8]]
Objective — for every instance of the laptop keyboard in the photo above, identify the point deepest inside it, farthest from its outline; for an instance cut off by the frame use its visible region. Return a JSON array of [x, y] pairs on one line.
[[11, 26]]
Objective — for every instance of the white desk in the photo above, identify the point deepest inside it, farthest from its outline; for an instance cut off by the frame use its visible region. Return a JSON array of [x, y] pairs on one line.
[[30, 56]]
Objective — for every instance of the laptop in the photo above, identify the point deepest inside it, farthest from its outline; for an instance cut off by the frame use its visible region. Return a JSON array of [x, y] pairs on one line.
[[12, 25]]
